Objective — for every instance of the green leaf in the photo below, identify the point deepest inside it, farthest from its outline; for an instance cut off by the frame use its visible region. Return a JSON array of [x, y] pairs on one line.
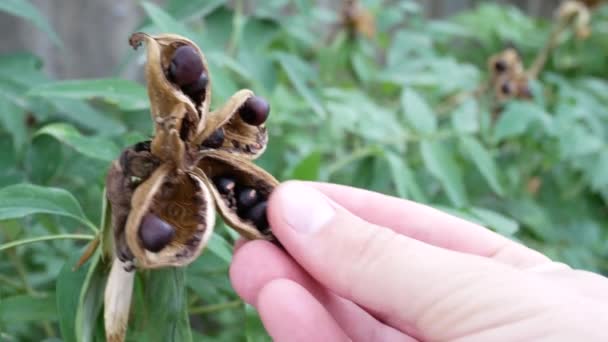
[[84, 115], [417, 111], [12, 119], [166, 306], [27, 308], [484, 162], [403, 178], [26, 199], [254, 329], [465, 117], [440, 164], [517, 118], [25, 10], [308, 167], [68, 285], [126, 95], [91, 146], [220, 247], [299, 73], [500, 223], [91, 299], [164, 21]]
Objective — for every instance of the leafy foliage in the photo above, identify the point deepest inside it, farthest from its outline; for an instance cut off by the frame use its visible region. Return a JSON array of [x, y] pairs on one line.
[[375, 113]]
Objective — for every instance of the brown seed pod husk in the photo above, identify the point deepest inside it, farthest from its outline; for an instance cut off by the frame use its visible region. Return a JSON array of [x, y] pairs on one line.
[[240, 138], [176, 116], [220, 163], [182, 200], [134, 166]]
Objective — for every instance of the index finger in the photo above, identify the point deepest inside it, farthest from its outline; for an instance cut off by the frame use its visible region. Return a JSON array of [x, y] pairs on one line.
[[430, 225]]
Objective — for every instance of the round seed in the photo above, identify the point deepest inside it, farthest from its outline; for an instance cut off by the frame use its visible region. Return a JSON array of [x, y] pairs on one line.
[[196, 89], [224, 185], [247, 198], [500, 66], [255, 111], [155, 233], [186, 66], [215, 140], [257, 214], [505, 88]]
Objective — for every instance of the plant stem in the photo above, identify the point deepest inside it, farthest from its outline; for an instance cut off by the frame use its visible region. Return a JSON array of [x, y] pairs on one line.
[[357, 154], [237, 28], [206, 309], [541, 58], [45, 238]]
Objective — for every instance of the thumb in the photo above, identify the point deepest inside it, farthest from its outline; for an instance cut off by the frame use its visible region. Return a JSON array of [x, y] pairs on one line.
[[395, 277]]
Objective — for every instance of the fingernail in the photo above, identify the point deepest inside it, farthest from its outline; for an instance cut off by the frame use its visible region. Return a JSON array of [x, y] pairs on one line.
[[305, 209]]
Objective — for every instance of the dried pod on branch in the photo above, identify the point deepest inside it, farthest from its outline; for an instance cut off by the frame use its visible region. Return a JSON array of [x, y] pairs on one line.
[[164, 193]]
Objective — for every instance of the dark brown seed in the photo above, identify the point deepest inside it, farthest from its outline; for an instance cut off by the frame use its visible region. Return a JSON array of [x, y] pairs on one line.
[[255, 111], [224, 185], [142, 146], [247, 197], [155, 233], [257, 214], [215, 140], [197, 89], [500, 66], [505, 88], [186, 66]]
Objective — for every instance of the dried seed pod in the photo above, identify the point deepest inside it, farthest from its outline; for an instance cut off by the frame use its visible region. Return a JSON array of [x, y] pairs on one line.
[[175, 114], [162, 192], [181, 200], [241, 138], [222, 168], [507, 61]]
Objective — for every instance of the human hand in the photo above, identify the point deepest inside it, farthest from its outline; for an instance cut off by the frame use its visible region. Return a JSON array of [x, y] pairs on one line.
[[362, 266]]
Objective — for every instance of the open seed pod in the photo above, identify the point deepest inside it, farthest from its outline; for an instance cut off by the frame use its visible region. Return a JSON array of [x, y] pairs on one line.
[[171, 219], [160, 192], [240, 137], [241, 191]]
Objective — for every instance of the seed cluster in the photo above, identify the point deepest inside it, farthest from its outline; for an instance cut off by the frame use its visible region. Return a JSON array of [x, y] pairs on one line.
[[247, 202]]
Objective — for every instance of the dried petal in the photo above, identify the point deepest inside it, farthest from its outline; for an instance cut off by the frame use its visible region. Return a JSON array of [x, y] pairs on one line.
[[240, 138], [226, 167], [117, 301]]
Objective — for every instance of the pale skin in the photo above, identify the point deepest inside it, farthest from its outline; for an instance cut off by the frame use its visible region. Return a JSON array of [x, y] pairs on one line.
[[361, 266]]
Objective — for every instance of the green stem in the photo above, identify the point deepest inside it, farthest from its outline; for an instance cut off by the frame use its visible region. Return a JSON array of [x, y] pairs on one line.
[[354, 156], [237, 28], [10, 282], [206, 309], [45, 238]]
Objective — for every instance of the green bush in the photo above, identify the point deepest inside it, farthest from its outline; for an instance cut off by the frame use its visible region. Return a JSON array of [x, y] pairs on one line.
[[400, 113]]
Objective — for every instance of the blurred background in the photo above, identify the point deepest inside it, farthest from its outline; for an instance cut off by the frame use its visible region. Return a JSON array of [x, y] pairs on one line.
[[495, 111], [92, 50]]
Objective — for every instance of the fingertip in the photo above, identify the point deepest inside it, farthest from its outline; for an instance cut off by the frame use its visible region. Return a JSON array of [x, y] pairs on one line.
[[291, 313], [255, 264], [239, 243]]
